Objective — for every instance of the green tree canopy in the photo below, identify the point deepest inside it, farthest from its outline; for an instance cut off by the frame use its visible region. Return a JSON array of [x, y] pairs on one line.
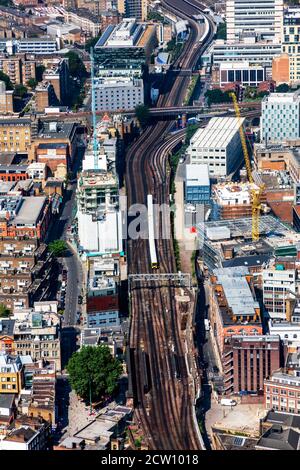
[[142, 114], [76, 66], [91, 43], [217, 96], [32, 83], [96, 369], [283, 88], [5, 78], [58, 247], [4, 311], [20, 90]]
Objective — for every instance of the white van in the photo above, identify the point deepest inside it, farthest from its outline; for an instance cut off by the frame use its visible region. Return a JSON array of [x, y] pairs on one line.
[[228, 402]]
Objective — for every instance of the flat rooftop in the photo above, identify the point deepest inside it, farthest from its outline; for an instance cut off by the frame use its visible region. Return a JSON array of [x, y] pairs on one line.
[[282, 98], [197, 175], [237, 291], [217, 134], [30, 210]]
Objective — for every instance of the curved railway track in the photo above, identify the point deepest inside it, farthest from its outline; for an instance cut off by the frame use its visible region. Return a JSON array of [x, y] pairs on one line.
[[165, 412]]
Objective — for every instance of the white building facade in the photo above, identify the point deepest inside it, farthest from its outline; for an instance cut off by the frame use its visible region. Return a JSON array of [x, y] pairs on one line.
[[116, 93], [280, 118], [218, 145], [261, 17]]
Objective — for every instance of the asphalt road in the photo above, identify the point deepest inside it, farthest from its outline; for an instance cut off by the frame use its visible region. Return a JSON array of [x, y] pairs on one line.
[[71, 262]]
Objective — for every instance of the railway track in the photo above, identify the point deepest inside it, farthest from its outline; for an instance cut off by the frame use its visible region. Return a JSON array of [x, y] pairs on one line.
[[165, 412]]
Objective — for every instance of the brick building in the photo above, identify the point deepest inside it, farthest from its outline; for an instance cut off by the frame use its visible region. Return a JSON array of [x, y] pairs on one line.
[[247, 361], [234, 309], [282, 392], [24, 216], [25, 272]]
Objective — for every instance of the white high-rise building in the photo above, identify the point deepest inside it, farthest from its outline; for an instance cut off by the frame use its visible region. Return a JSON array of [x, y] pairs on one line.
[[260, 17]]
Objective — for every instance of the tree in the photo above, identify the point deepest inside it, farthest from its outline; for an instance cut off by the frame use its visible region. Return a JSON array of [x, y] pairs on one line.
[[20, 90], [221, 31], [94, 370], [76, 66], [4, 311], [142, 114], [283, 88], [58, 248], [5, 78], [217, 96], [91, 43], [32, 83]]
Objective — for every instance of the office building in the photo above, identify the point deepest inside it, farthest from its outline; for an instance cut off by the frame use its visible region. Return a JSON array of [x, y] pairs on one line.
[[36, 46], [241, 72], [280, 120], [282, 392], [136, 9], [125, 48], [290, 43], [249, 50], [263, 18], [197, 185], [218, 145], [234, 309], [118, 93], [247, 361], [278, 283], [11, 373]]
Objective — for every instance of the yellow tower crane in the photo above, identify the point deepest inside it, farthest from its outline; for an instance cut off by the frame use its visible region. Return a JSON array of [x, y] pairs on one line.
[[255, 193]]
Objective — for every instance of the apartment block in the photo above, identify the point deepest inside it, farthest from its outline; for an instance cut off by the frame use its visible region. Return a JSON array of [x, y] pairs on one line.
[[84, 19], [118, 93], [282, 392], [25, 271], [57, 74], [19, 69], [247, 361], [44, 97], [257, 17], [37, 334], [136, 9], [15, 135], [218, 145], [280, 118]]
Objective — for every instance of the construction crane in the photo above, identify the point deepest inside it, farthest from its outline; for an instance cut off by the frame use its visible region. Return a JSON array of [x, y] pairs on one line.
[[255, 193]]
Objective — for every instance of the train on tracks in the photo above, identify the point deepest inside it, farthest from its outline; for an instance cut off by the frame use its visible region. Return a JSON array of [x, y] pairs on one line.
[[151, 233]]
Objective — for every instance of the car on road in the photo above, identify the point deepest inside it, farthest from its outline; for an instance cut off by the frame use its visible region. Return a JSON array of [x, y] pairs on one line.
[[80, 299]]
